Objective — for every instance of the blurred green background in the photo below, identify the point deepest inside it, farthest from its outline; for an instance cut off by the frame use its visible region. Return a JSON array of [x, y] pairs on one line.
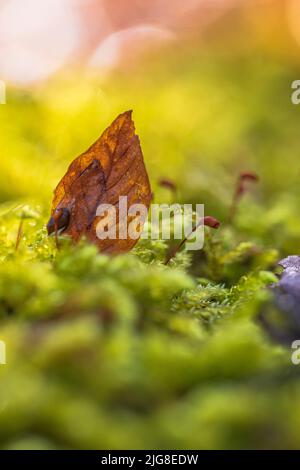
[[125, 352]]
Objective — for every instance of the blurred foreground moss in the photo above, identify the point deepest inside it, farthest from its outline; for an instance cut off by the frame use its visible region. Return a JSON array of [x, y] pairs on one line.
[[125, 352]]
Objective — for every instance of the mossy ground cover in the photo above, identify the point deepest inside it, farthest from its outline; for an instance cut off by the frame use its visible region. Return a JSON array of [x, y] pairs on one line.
[[125, 352]]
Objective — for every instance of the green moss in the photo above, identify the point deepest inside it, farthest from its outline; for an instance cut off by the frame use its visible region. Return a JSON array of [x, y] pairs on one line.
[[125, 352]]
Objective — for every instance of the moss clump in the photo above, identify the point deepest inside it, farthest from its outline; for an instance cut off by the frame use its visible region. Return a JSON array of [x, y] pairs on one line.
[[125, 352]]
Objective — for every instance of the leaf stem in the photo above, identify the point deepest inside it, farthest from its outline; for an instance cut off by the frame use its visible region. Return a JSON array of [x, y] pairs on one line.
[[208, 221]]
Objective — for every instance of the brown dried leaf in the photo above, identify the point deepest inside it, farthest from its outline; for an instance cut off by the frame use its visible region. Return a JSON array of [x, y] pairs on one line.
[[113, 166]]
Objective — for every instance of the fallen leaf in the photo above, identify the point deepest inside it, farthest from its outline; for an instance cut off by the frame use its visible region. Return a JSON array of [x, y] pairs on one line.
[[112, 167]]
